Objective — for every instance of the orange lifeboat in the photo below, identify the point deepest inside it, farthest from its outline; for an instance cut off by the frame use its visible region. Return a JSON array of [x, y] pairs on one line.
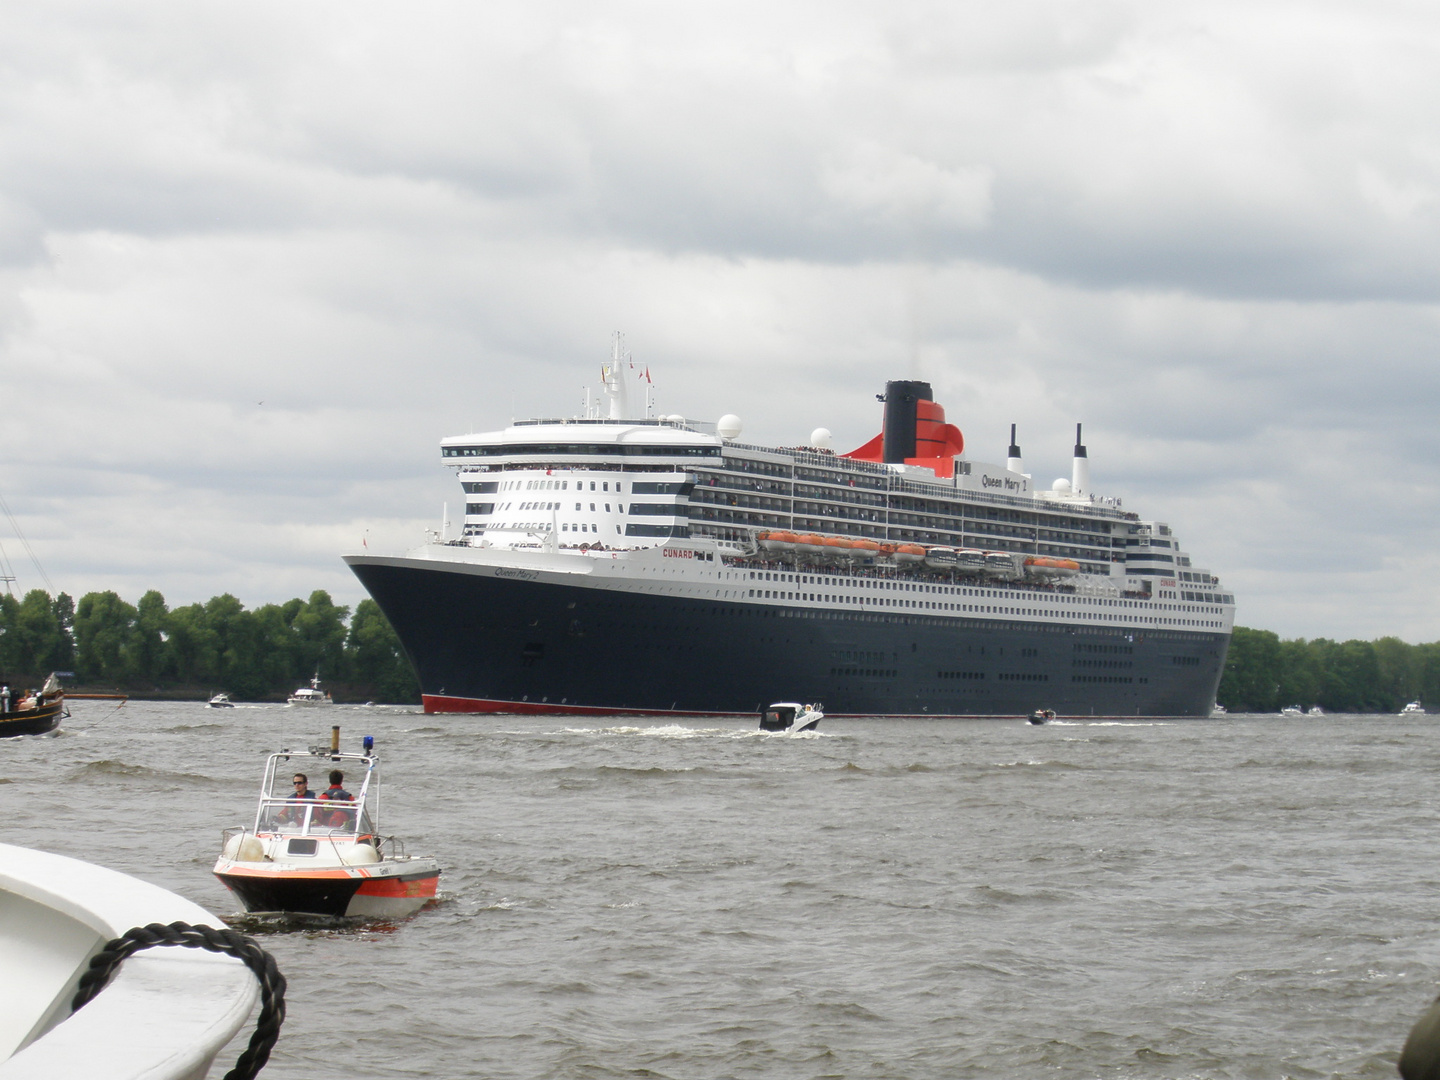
[[836, 547], [864, 549], [1047, 566], [887, 550], [809, 544], [910, 553], [777, 540]]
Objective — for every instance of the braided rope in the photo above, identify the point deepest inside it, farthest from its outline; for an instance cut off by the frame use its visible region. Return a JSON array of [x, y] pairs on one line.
[[272, 983]]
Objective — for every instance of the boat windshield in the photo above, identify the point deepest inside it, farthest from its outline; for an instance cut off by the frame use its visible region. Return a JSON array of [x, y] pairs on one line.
[[281, 809]]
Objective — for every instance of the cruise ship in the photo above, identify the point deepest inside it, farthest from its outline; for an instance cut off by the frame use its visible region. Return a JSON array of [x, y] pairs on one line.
[[621, 561]]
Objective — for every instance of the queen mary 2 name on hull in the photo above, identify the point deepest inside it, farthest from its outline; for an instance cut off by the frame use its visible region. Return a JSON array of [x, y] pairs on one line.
[[651, 564]]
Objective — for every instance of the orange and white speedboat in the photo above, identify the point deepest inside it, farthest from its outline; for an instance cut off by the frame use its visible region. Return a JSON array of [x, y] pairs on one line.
[[324, 855]]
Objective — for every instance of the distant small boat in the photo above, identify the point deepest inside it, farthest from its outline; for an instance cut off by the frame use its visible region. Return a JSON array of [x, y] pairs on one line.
[[33, 713], [311, 695], [1219, 710], [791, 716], [220, 701], [1413, 709], [1042, 716], [1292, 710], [1315, 710]]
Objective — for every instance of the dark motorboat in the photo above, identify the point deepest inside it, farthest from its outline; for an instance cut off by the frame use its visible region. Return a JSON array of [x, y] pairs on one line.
[[1042, 716], [33, 713], [791, 716]]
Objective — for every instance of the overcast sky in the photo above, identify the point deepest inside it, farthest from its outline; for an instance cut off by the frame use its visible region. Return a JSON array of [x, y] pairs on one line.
[[257, 259]]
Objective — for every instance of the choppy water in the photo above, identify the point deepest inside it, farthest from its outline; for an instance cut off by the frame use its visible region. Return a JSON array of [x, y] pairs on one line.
[[1246, 897]]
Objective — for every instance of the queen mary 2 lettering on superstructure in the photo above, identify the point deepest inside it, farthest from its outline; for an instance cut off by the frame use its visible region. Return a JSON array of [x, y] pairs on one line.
[[651, 564]]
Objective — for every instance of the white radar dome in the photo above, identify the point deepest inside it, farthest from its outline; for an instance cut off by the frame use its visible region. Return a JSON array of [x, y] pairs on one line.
[[820, 438], [728, 426], [1061, 486]]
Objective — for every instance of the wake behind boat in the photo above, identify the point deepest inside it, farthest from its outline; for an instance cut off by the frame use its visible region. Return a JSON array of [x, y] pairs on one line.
[[33, 713], [323, 854]]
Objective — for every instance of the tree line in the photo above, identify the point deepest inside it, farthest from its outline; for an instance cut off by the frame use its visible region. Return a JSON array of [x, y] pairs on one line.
[[1265, 674], [204, 648]]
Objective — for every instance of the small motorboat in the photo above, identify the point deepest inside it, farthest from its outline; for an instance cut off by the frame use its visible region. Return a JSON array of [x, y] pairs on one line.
[[791, 716], [1315, 710], [34, 712], [1219, 710], [311, 695], [220, 701], [1042, 716], [323, 854], [1292, 710], [1413, 709]]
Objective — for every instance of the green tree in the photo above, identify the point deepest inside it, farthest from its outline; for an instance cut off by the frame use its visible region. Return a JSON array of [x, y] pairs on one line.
[[376, 658], [320, 636], [104, 638], [192, 653], [152, 628], [1251, 681]]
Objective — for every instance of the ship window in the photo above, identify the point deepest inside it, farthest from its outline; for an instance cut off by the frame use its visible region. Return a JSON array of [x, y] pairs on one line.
[[592, 485], [606, 485]]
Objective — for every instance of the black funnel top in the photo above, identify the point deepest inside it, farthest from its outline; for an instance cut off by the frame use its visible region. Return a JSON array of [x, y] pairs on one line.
[[900, 399], [1014, 448]]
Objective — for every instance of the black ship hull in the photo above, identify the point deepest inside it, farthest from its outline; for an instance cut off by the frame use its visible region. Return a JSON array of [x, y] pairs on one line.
[[486, 643], [35, 721]]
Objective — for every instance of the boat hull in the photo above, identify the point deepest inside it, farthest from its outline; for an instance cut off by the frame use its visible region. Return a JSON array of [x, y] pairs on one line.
[[339, 891], [32, 721], [481, 641]]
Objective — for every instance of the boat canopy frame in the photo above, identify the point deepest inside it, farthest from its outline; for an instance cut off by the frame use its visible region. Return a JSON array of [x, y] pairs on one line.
[[284, 814]]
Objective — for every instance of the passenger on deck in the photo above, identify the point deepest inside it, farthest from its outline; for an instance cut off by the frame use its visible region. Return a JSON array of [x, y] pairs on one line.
[[336, 793], [294, 815]]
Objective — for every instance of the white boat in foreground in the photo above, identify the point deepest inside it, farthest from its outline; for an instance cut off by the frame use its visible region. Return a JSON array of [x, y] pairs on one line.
[[323, 854], [1413, 709], [164, 1015], [791, 716], [220, 701]]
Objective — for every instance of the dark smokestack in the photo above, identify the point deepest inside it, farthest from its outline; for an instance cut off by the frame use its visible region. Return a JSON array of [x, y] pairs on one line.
[[900, 399]]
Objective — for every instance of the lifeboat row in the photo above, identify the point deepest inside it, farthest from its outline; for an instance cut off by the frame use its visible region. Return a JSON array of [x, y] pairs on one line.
[[967, 560]]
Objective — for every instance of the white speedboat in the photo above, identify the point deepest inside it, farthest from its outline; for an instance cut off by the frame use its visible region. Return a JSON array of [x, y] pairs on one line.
[[791, 716], [311, 695], [165, 1014], [1041, 716], [323, 854], [1292, 710], [1219, 710], [1315, 710], [1413, 709], [220, 701]]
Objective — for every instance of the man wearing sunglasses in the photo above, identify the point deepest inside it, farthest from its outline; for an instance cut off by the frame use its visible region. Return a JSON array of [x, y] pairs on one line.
[[296, 814]]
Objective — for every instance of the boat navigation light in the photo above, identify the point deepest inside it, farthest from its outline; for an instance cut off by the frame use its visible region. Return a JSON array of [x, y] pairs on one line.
[[368, 742], [335, 739]]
